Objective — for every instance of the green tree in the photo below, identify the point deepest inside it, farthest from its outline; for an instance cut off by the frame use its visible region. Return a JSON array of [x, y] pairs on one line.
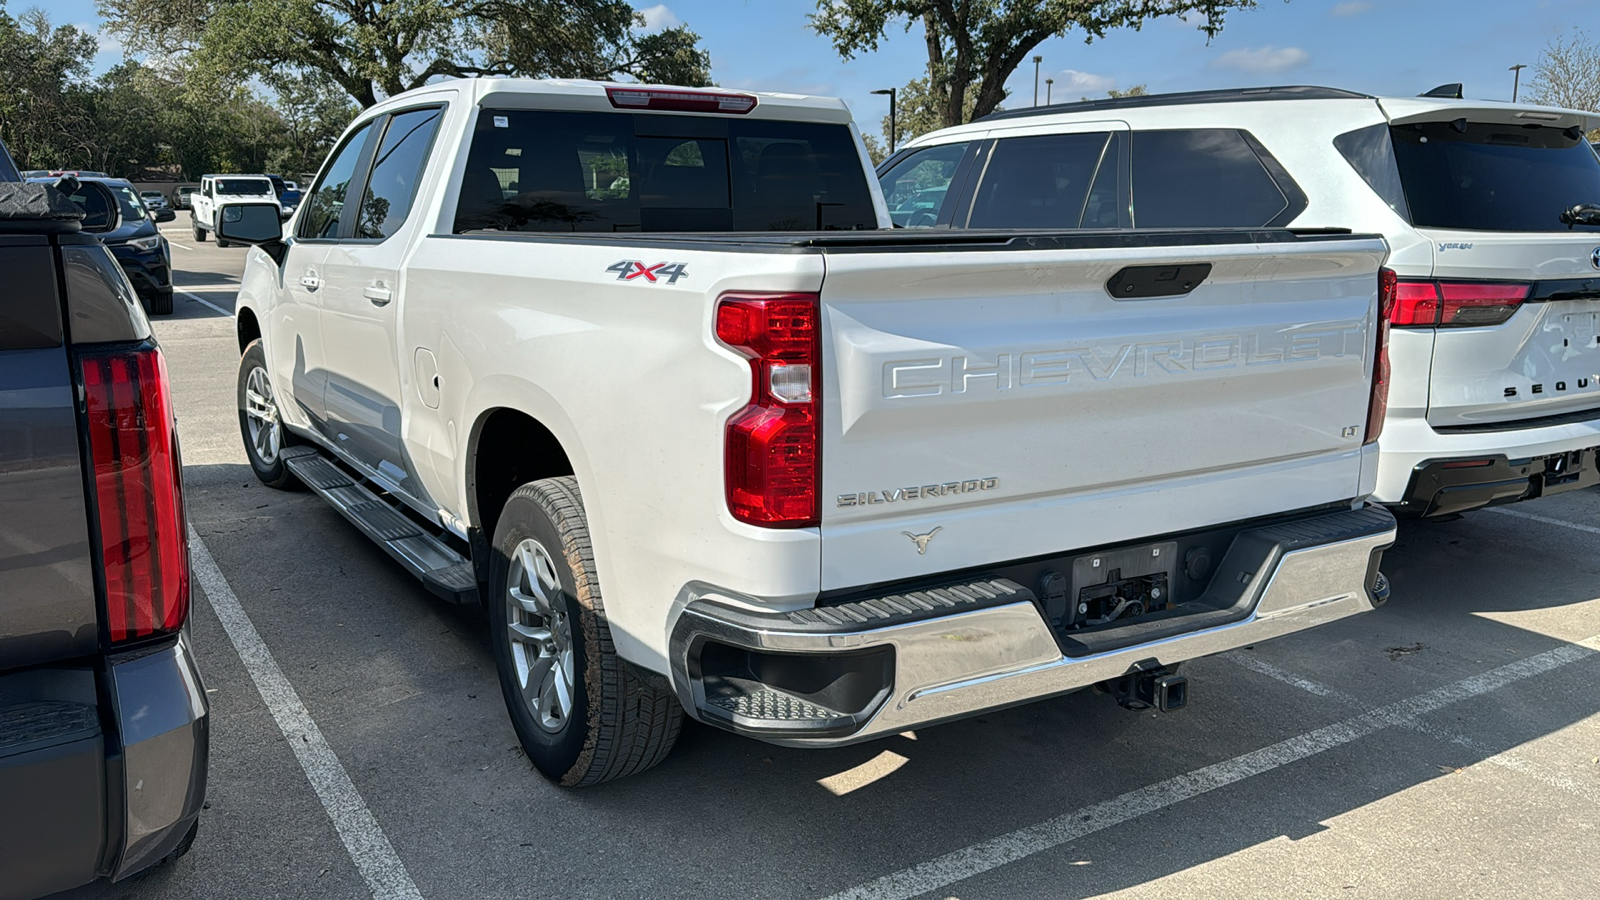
[[974, 45], [45, 108], [919, 110], [314, 112], [374, 48]]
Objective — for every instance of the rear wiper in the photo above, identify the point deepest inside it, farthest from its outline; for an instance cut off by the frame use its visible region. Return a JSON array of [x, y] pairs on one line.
[[1582, 214]]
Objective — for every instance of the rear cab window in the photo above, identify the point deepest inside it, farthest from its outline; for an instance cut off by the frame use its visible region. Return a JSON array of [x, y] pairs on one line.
[[1494, 177], [534, 170]]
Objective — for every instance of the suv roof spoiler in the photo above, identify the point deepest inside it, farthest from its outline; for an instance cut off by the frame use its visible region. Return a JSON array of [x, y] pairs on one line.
[[1232, 95]]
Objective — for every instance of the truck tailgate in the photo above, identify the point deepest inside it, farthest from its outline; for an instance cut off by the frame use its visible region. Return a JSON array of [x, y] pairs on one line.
[[998, 398]]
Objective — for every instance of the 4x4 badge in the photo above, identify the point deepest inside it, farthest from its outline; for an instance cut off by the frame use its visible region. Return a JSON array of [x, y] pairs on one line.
[[633, 269]]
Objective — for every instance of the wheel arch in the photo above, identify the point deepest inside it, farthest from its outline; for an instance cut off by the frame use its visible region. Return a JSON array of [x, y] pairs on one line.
[[247, 326], [507, 448]]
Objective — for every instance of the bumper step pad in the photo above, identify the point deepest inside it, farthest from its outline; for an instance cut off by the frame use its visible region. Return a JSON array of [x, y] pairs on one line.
[[443, 571]]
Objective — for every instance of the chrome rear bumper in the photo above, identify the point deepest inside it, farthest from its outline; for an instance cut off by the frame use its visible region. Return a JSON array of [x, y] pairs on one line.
[[842, 675]]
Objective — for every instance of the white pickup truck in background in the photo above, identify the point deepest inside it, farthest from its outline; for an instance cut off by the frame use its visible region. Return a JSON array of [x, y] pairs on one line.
[[215, 190], [645, 371]]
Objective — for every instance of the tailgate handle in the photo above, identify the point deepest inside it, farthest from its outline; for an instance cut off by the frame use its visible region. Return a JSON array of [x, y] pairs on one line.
[[1149, 282]]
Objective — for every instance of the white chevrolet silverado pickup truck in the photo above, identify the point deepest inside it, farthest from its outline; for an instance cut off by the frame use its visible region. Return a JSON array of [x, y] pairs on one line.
[[646, 372]]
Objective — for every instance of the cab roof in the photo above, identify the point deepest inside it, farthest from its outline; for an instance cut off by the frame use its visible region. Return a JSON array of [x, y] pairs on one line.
[[581, 94]]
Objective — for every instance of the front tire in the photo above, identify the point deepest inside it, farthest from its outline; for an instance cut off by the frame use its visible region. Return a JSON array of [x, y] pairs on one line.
[[583, 714], [260, 425], [199, 233], [160, 303]]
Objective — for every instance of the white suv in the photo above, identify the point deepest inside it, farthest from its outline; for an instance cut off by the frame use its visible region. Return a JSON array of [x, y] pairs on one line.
[[1487, 208], [215, 190]]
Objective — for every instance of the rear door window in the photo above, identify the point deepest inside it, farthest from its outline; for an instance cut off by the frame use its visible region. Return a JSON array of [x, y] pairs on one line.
[[1208, 178], [597, 172], [396, 170], [916, 187], [1491, 177], [1040, 182]]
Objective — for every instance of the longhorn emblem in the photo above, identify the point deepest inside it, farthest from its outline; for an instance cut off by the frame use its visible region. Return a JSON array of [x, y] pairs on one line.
[[921, 540]]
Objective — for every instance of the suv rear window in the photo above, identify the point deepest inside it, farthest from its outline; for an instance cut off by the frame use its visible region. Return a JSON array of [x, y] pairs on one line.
[[1491, 177], [582, 171], [1209, 178]]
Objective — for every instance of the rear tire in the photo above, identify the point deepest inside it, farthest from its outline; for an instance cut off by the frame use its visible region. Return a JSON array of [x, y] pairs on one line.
[[222, 244], [260, 423], [583, 714]]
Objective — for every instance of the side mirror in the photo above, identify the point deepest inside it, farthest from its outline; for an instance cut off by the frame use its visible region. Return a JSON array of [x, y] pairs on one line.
[[249, 223], [165, 215], [100, 210]]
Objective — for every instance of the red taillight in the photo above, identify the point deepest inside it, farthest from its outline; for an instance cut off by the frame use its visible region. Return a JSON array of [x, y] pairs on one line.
[[144, 546], [678, 100], [772, 462], [1378, 400], [1457, 304]]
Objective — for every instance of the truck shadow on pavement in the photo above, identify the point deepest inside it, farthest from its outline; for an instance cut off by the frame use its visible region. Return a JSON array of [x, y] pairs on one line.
[[405, 688]]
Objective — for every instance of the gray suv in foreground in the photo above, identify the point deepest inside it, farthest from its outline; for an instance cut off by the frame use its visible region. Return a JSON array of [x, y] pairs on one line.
[[103, 719]]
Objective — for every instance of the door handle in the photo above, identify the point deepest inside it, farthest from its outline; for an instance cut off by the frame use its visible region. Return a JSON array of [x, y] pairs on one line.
[[309, 281], [378, 294]]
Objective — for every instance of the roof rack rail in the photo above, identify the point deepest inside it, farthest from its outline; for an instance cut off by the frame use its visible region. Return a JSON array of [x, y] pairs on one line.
[[1232, 95]]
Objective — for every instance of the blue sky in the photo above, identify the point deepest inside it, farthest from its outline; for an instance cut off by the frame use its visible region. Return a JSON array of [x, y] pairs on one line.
[[1378, 46]]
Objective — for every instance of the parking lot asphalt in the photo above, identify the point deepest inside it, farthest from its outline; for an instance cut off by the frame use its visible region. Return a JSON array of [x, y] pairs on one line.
[[1446, 745]]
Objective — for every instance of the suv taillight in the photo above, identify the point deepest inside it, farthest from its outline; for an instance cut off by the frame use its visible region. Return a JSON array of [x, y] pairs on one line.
[[771, 458], [1457, 304], [144, 546], [1378, 400]]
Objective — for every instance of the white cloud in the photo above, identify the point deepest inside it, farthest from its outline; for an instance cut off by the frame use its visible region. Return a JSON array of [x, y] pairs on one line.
[[1074, 83], [658, 17], [1351, 7], [1263, 60]]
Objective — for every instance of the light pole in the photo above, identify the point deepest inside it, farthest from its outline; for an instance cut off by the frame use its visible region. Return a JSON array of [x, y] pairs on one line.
[[1048, 82], [893, 130], [1036, 61], [1516, 78]]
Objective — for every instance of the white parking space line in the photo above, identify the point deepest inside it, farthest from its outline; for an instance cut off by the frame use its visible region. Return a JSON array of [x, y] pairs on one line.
[[1545, 519], [1024, 842], [1506, 759], [369, 847], [198, 299]]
